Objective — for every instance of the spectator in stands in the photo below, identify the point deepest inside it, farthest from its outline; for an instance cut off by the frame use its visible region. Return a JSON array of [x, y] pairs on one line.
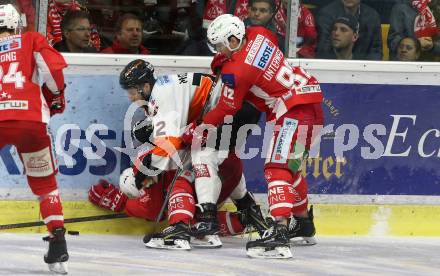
[[261, 13], [415, 18], [369, 43], [306, 33], [343, 38], [55, 12], [409, 49], [128, 39], [76, 33], [214, 8]]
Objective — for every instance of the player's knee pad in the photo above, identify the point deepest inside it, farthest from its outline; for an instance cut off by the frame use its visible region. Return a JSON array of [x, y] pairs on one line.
[[42, 185], [229, 223], [51, 210], [181, 205]]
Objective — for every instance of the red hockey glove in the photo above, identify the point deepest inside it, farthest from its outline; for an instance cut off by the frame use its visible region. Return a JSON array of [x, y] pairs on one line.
[[107, 196], [217, 62], [56, 103], [193, 133]]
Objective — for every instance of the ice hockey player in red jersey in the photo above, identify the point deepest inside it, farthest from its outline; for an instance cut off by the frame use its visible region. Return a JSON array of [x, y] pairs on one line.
[[257, 71], [171, 102], [25, 110]]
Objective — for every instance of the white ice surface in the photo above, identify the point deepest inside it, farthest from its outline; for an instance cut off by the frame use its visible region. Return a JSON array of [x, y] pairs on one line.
[[21, 254]]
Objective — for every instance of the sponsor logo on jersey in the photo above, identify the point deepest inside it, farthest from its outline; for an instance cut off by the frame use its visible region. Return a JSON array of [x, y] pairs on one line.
[[152, 108], [201, 170], [162, 80], [183, 78], [307, 89], [254, 49], [264, 55], [21, 105], [10, 45], [38, 163], [229, 80], [284, 140]]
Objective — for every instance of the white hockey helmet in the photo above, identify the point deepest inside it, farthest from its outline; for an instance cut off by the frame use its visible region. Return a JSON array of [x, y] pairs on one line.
[[223, 27], [10, 18], [127, 183]]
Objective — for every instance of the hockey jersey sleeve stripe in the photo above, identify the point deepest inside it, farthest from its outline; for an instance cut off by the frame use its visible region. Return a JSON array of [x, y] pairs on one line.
[[199, 99], [167, 146], [54, 79]]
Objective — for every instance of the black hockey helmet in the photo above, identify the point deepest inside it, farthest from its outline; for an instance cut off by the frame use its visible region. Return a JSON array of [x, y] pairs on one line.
[[135, 73]]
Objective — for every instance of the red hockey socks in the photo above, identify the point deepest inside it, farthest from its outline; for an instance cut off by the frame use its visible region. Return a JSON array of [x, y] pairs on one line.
[[181, 205], [51, 210]]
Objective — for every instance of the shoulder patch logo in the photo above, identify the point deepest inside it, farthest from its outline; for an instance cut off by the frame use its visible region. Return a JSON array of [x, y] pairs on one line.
[[10, 45], [229, 80]]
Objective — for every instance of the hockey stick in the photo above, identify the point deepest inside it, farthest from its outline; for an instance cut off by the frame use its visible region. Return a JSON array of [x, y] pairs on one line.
[[69, 220], [185, 156]]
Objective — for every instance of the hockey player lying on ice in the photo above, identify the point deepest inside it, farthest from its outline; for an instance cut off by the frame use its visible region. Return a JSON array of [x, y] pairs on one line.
[[304, 227], [174, 100]]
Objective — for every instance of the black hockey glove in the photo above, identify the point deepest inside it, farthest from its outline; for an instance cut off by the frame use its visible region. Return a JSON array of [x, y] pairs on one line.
[[139, 177], [142, 130]]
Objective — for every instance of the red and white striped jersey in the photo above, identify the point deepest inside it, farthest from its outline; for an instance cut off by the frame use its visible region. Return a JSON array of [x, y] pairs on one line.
[[26, 61], [260, 74]]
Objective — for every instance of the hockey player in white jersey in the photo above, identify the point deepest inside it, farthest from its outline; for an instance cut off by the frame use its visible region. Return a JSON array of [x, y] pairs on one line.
[[172, 102]]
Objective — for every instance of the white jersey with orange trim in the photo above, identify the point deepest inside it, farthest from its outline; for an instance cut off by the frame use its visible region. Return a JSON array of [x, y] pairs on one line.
[[175, 101]]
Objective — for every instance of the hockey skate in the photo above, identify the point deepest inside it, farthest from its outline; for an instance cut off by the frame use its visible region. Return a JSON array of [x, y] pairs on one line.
[[250, 214], [174, 237], [57, 256], [274, 243], [204, 234], [302, 230]]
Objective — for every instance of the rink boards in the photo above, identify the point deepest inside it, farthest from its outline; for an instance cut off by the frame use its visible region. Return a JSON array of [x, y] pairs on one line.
[[389, 114]]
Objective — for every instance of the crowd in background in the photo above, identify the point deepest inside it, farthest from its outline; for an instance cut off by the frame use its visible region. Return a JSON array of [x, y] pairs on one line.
[[406, 30]]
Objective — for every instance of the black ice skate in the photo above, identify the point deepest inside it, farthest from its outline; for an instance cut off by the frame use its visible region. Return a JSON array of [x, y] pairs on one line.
[[274, 244], [174, 237], [250, 214], [205, 232], [57, 256], [302, 230]]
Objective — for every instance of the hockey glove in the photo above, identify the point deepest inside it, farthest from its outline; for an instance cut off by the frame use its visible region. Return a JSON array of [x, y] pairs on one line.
[[192, 132], [141, 180], [107, 196], [217, 63], [56, 102], [142, 130]]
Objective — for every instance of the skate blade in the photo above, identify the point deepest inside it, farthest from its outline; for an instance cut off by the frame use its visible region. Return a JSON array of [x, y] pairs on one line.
[[303, 241], [60, 268], [208, 241], [160, 244], [280, 252]]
